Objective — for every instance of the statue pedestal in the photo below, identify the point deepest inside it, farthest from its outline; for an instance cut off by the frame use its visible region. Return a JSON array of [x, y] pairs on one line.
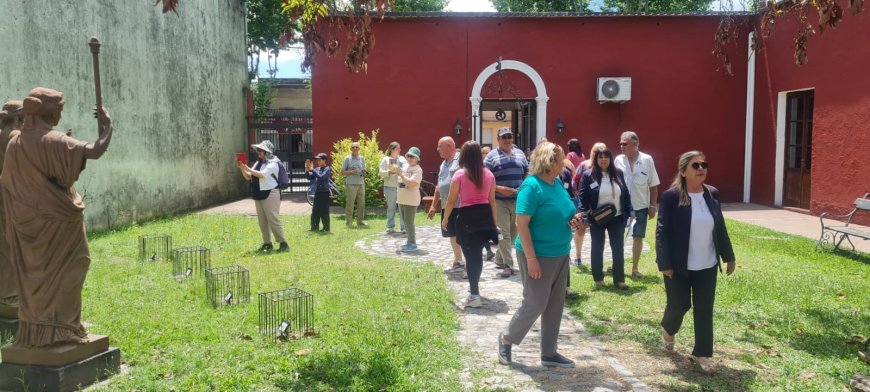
[[68, 367]]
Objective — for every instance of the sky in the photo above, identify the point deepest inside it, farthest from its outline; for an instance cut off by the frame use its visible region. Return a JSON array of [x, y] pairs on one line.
[[290, 61]]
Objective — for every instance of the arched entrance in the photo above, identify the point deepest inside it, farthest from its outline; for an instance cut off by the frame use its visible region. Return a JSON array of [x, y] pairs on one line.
[[538, 118]]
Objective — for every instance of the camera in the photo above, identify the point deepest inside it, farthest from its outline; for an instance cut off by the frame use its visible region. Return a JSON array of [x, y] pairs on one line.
[[402, 185]]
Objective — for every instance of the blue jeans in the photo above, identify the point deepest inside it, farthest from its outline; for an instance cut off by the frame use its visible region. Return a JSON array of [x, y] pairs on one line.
[[390, 193]]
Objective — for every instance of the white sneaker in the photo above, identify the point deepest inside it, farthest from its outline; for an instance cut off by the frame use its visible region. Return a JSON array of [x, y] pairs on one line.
[[456, 267], [473, 301]]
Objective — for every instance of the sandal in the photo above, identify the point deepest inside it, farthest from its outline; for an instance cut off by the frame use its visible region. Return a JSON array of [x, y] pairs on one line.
[[668, 344], [705, 364]]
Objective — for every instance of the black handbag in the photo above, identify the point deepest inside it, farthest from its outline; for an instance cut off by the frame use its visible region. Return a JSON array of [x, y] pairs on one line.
[[603, 214]]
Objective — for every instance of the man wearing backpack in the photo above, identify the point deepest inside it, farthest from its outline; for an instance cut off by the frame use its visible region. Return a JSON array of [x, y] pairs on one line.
[[354, 169], [263, 176]]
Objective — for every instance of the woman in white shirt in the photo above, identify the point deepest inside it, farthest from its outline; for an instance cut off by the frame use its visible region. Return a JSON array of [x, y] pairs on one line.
[[263, 176], [408, 195], [691, 238], [392, 159], [601, 186]]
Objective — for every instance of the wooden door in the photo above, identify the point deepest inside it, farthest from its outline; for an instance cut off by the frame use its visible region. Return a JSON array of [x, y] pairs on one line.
[[798, 149]]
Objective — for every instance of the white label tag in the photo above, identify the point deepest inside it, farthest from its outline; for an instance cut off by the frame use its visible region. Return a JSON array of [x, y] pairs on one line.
[[594, 185]]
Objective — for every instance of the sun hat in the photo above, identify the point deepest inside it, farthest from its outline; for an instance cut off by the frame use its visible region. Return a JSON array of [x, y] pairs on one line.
[[322, 155], [265, 145], [413, 151], [504, 131]]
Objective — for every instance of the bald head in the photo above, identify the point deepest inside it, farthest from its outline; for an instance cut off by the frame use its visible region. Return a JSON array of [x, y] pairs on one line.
[[446, 147]]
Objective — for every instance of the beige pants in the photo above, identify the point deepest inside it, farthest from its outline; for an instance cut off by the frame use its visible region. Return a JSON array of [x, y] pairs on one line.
[[506, 220], [268, 214], [356, 197]]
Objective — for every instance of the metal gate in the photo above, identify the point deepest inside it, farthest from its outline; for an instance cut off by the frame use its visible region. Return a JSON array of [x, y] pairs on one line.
[[292, 134]]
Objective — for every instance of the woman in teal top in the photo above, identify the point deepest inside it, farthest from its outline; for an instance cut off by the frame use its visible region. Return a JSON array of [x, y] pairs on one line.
[[545, 216]]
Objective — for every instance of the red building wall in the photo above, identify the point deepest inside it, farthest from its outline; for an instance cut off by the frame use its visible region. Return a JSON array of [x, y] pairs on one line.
[[422, 70], [839, 72]]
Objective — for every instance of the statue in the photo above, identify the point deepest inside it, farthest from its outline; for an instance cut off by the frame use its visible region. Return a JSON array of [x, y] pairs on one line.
[[10, 124], [45, 220]]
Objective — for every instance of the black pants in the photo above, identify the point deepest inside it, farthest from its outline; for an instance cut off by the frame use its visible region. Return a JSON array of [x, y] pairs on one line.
[[320, 212], [472, 249], [615, 230], [699, 288]]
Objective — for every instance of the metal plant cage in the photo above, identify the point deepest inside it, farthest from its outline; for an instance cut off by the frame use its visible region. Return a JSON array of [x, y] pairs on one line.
[[225, 286], [286, 313], [154, 247], [190, 260]]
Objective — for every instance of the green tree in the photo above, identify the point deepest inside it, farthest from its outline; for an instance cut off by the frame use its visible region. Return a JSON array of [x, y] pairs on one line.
[[267, 32], [264, 92], [541, 5], [656, 5], [419, 5], [606, 5]]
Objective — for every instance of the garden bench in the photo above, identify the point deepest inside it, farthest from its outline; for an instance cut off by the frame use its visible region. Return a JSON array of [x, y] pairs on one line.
[[834, 235]]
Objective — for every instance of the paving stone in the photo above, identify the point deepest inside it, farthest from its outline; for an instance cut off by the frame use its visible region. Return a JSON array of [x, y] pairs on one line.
[[478, 331]]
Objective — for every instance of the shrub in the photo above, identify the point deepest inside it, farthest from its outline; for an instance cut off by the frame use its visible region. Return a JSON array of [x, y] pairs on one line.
[[372, 153]]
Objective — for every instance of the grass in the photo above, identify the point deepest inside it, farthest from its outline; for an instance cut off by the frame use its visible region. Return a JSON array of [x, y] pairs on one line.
[[784, 321], [383, 324]]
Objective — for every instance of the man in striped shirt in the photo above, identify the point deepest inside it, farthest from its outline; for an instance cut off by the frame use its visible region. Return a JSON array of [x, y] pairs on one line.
[[509, 166]]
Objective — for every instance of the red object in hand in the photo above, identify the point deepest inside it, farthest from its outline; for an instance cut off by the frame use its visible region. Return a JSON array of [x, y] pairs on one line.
[[242, 157]]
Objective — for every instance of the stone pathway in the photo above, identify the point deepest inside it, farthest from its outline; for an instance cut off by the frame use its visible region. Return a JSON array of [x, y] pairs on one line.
[[596, 369]]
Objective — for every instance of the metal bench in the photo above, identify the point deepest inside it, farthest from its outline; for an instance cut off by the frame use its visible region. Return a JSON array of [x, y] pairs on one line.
[[834, 235]]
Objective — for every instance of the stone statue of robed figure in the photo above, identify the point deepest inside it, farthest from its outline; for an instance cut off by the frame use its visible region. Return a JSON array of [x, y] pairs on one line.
[[48, 246]]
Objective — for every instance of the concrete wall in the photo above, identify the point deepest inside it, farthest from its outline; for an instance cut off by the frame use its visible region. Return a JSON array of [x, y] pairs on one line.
[[174, 85], [422, 70], [837, 71]]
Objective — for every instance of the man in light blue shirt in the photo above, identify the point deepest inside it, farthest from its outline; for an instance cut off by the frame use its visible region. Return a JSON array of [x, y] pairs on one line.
[[447, 151]]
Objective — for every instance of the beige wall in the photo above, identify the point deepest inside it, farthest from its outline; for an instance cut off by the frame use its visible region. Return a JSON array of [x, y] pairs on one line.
[[291, 98]]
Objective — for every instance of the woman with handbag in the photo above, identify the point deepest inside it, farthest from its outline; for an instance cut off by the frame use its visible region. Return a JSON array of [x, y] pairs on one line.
[[545, 217], [606, 205], [691, 238], [474, 186]]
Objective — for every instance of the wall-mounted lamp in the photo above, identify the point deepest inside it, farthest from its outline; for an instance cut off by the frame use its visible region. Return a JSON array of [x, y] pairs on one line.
[[559, 126], [458, 127]]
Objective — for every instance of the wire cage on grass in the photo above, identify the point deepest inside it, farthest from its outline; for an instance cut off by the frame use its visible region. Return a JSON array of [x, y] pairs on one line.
[[190, 260], [286, 313], [154, 247], [228, 285]]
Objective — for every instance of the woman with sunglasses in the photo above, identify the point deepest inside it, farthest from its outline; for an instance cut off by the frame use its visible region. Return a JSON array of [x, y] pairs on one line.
[[691, 238], [601, 186]]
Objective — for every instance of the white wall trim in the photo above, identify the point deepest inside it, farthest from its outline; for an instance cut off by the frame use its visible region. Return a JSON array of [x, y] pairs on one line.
[[541, 99], [750, 113], [779, 168]]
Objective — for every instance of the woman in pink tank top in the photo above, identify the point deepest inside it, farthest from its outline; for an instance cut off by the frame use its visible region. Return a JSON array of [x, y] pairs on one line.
[[474, 186]]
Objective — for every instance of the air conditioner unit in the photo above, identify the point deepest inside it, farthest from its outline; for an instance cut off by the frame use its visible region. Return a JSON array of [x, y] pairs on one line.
[[614, 89]]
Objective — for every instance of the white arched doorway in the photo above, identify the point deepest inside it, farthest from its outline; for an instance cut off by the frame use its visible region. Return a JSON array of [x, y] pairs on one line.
[[540, 100]]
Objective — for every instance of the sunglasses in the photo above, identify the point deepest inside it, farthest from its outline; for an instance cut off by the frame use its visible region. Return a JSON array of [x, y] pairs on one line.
[[354, 148], [700, 165], [621, 144], [507, 136]]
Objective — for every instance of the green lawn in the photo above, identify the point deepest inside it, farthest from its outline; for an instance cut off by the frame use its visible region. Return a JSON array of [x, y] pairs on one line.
[[784, 321], [383, 324]]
